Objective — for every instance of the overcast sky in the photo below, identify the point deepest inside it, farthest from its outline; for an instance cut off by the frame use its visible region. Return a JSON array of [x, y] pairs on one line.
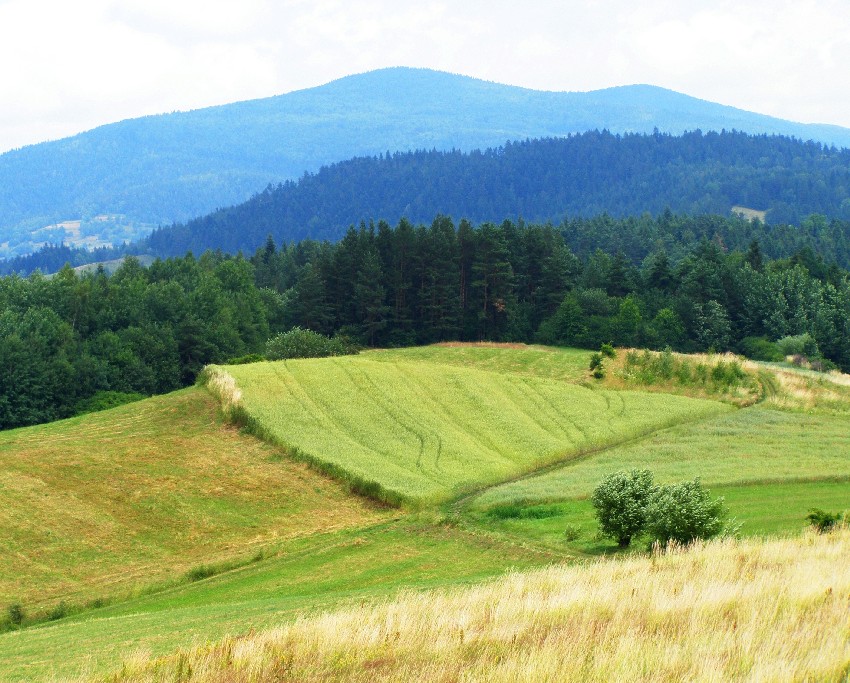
[[70, 66]]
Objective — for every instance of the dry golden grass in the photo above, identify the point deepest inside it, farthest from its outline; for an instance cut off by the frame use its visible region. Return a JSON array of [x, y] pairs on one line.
[[754, 611], [801, 389], [105, 504], [223, 386]]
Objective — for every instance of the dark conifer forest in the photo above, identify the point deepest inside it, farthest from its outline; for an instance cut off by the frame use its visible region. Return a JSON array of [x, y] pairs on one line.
[[567, 181], [580, 176], [73, 340]]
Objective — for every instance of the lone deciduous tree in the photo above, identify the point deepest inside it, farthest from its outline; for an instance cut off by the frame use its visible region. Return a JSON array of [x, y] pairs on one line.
[[621, 501]]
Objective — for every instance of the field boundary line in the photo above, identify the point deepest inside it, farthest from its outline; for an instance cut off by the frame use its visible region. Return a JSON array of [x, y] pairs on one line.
[[458, 504]]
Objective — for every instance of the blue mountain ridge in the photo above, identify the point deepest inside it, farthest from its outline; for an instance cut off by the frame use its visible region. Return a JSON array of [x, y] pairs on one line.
[[172, 167]]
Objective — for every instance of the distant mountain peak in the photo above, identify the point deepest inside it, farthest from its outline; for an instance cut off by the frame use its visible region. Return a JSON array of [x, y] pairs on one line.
[[173, 167]]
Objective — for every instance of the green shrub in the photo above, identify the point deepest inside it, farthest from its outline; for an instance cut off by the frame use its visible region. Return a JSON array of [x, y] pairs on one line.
[[58, 612], [822, 365], [620, 501], [665, 364], [245, 360], [514, 511], [203, 571], [683, 374], [822, 520], [15, 614], [595, 361], [607, 350], [727, 374], [760, 348], [683, 513], [572, 532], [301, 343], [798, 345], [104, 400]]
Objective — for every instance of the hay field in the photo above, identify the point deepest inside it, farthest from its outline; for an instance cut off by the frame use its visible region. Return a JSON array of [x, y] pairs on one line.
[[104, 505]]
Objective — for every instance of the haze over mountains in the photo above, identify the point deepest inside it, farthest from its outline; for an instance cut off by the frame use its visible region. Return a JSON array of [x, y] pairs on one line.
[[124, 178]]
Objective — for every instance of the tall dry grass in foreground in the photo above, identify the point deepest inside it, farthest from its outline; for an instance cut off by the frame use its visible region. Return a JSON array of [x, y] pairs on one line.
[[772, 611]]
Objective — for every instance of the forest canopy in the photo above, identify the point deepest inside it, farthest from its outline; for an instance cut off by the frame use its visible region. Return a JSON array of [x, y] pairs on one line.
[[567, 181], [67, 338]]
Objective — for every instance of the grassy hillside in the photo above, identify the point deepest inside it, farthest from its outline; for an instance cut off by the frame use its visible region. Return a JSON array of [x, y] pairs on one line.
[[300, 577], [751, 445], [125, 504], [774, 509], [726, 611], [549, 362], [772, 462], [418, 432], [109, 503]]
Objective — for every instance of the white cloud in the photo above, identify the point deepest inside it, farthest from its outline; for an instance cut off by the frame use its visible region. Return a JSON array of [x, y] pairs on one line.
[[78, 65]]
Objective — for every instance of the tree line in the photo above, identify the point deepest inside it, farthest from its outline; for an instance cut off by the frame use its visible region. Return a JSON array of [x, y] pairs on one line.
[[67, 338]]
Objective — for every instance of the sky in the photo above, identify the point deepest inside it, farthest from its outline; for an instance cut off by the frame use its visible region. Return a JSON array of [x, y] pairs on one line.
[[71, 66]]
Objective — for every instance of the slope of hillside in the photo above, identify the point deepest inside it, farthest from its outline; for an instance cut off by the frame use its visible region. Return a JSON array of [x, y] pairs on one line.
[[172, 167], [726, 611], [99, 506], [167, 490], [417, 433], [539, 181], [306, 575]]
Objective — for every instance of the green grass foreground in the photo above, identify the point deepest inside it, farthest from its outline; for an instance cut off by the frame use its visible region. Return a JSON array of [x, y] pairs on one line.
[[723, 611], [195, 531], [303, 576], [422, 432]]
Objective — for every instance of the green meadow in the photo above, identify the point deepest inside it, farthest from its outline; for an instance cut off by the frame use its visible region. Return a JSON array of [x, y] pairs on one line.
[[299, 577], [423, 432], [549, 362], [160, 526], [751, 445]]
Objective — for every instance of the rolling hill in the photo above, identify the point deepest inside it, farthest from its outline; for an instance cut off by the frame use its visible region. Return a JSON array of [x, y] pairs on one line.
[[580, 182], [172, 167], [728, 611], [417, 433], [167, 489], [173, 529]]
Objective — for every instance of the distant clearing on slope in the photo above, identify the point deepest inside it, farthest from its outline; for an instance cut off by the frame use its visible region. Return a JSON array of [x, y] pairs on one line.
[[750, 214], [419, 432], [104, 504]]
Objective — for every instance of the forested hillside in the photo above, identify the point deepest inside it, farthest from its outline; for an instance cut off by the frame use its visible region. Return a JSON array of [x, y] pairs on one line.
[[578, 177], [66, 339], [582, 175], [173, 167]]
